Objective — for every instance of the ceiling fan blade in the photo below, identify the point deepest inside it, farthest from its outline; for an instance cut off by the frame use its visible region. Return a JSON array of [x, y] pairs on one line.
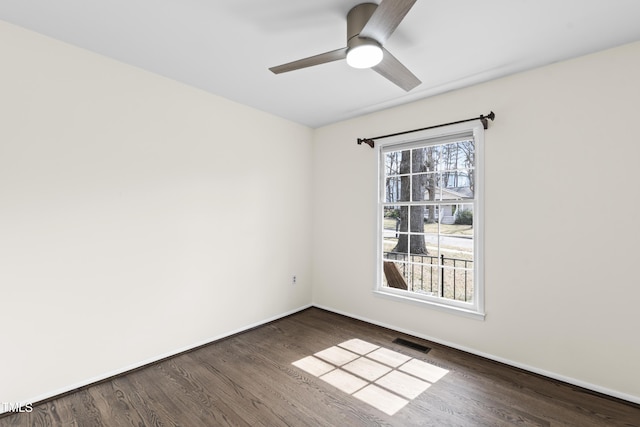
[[393, 70], [322, 58], [386, 19]]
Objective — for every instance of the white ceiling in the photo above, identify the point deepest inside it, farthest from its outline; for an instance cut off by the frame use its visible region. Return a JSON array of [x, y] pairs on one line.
[[226, 46]]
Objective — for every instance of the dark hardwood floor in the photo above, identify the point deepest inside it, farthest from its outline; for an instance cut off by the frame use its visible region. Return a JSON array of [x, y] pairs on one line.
[[249, 380]]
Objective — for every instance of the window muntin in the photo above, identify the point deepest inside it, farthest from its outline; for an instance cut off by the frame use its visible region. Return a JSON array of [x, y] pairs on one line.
[[430, 218]]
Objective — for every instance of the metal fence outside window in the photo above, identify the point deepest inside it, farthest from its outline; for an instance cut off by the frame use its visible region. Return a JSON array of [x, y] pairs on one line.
[[443, 276]]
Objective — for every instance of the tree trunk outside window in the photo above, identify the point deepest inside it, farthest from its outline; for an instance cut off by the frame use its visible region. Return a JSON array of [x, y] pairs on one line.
[[410, 165], [430, 182]]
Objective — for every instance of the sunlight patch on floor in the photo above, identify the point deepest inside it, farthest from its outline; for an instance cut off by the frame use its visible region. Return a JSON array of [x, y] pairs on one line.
[[382, 378]]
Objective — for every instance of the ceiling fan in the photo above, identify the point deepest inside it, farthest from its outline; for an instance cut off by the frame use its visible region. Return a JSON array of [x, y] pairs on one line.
[[368, 27]]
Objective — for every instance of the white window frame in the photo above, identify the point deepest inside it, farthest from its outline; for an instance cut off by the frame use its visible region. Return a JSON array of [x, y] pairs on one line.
[[474, 309]]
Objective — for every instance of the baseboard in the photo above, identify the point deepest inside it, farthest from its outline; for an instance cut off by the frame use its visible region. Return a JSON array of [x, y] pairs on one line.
[[552, 375], [37, 400]]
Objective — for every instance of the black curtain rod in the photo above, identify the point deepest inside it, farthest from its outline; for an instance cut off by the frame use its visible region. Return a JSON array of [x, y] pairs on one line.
[[482, 118]]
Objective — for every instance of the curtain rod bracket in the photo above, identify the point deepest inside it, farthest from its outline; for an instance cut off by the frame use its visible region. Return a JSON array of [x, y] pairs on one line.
[[367, 141], [484, 121]]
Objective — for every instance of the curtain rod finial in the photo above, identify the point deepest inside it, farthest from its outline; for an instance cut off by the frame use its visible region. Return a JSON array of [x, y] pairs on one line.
[[367, 141]]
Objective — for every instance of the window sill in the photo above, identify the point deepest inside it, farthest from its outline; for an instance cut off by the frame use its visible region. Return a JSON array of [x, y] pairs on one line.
[[472, 314]]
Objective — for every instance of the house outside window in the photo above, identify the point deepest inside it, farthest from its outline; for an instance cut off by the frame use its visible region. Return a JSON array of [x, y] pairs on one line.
[[430, 218]]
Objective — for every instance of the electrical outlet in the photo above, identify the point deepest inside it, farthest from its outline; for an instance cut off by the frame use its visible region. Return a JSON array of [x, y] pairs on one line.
[[294, 279]]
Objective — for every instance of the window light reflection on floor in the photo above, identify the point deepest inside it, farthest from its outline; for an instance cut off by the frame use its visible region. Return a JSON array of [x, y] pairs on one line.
[[382, 378]]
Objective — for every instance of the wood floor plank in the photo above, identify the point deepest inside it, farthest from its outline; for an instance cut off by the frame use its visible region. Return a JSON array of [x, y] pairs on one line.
[[114, 402], [249, 380]]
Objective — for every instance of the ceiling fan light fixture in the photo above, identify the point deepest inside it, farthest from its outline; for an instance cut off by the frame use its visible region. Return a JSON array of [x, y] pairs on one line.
[[364, 55]]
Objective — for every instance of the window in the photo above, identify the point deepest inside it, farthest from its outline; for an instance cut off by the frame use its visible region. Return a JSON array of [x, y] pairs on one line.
[[430, 218]]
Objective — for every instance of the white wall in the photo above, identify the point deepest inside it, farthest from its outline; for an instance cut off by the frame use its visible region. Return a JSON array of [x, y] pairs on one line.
[[562, 220], [138, 216]]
